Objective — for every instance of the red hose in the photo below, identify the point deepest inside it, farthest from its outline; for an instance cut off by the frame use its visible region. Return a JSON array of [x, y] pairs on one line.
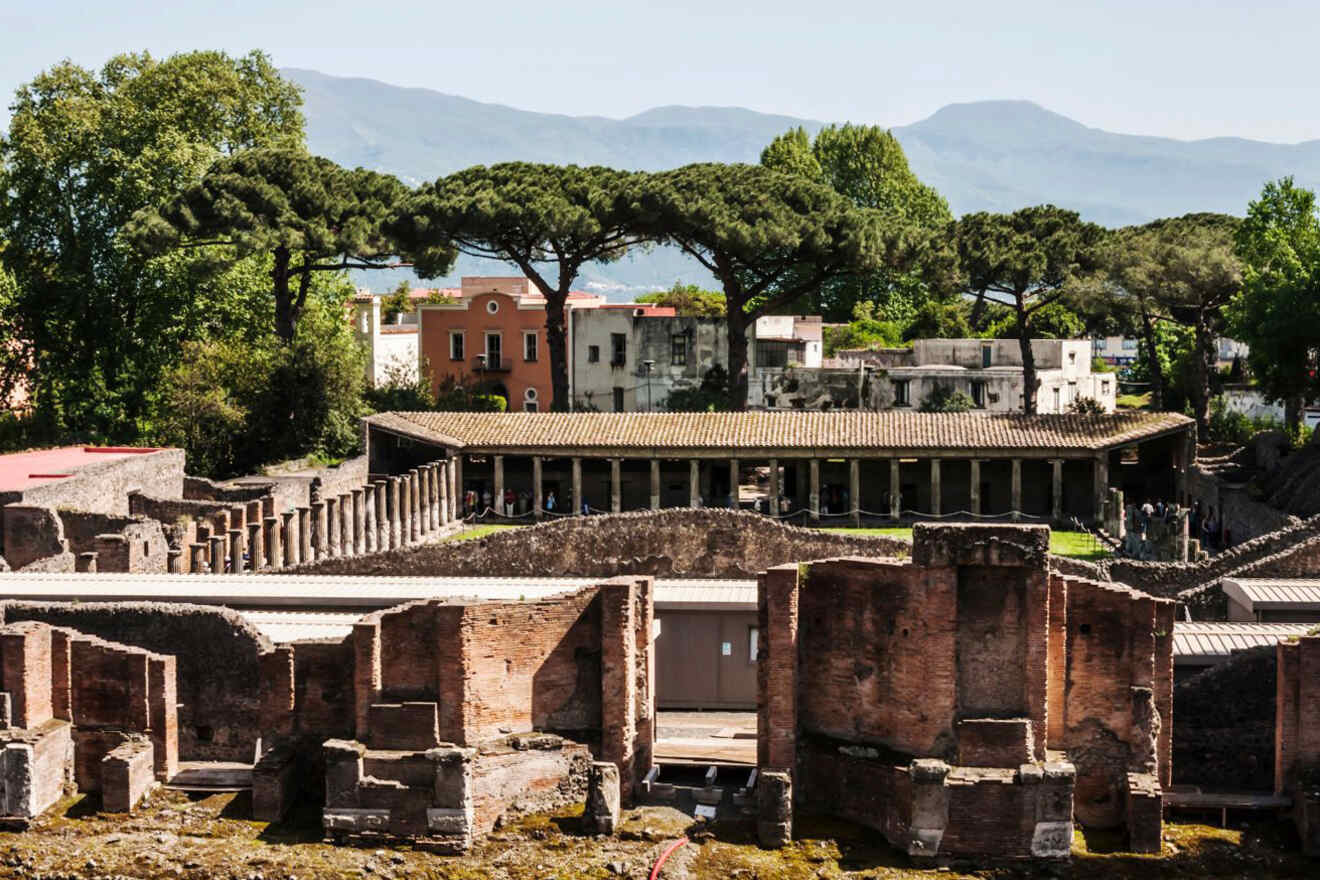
[[660, 862]]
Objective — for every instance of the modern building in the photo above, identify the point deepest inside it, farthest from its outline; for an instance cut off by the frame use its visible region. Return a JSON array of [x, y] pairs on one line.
[[494, 332], [1122, 351], [888, 465], [1288, 600], [779, 341], [629, 357], [391, 345]]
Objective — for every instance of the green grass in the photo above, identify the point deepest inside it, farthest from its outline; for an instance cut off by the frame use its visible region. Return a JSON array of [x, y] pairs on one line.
[[479, 531], [1078, 545], [1133, 401]]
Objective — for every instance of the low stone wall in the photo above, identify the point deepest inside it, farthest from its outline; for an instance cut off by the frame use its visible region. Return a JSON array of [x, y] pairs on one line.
[[680, 542], [122, 543], [217, 651], [1223, 724]]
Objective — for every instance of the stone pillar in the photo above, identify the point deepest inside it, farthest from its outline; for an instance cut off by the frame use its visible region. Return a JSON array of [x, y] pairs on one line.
[[423, 518], [378, 491], [332, 527], [318, 532], [174, 560], [346, 546], [577, 485], [274, 546], [289, 539], [735, 469], [414, 506], [1101, 484], [442, 505], [815, 490], [895, 489], [366, 674], [538, 503], [235, 550], [253, 514], [405, 510], [255, 545], [456, 485], [772, 503], [655, 484], [369, 530], [217, 551], [238, 516], [616, 486], [778, 685], [1016, 504], [498, 494], [976, 485], [936, 490], [196, 557], [602, 809], [395, 515], [774, 808], [1056, 484], [359, 524], [433, 471], [694, 483], [930, 807], [855, 490], [86, 562]]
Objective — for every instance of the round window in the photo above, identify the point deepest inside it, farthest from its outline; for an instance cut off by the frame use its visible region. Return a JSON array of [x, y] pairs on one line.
[[492, 306], [530, 394]]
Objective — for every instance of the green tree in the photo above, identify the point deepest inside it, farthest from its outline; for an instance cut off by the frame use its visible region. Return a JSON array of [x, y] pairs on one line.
[[1054, 321], [1182, 270], [866, 330], [548, 220], [768, 237], [688, 300], [397, 302], [308, 213], [944, 399], [97, 321], [1277, 313], [1027, 259], [712, 395], [937, 320]]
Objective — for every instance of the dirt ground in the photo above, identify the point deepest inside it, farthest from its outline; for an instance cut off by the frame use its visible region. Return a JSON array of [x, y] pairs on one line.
[[177, 836]]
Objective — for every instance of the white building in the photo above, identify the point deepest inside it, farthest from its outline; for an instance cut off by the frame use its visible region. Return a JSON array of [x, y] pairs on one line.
[[778, 341], [391, 348]]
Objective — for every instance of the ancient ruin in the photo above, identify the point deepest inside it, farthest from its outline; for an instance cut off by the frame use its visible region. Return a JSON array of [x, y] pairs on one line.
[[1297, 735]]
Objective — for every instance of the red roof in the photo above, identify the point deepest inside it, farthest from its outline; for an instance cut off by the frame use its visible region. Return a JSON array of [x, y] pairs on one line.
[[23, 470]]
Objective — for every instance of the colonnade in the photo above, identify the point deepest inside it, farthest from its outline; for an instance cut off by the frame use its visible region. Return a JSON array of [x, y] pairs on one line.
[[385, 514]]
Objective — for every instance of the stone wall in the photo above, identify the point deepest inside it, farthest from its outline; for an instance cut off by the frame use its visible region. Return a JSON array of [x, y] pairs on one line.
[[122, 543], [1223, 724], [32, 533], [217, 655], [679, 542], [105, 487]]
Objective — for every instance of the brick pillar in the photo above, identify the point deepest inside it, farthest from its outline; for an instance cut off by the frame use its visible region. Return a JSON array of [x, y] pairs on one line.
[[1056, 487], [618, 665], [616, 486], [289, 538], [497, 494], [270, 539], [238, 517], [26, 652], [255, 546], [855, 490], [85, 561], [814, 466], [346, 524], [577, 485], [538, 503], [332, 527], [162, 714], [1015, 505], [253, 514], [772, 503], [359, 524], [976, 484], [1287, 694], [174, 560], [694, 483], [655, 484], [317, 533], [276, 671], [936, 490], [395, 515], [235, 550], [442, 498], [366, 674], [379, 489], [196, 557], [777, 607], [369, 530], [267, 506], [1165, 613]]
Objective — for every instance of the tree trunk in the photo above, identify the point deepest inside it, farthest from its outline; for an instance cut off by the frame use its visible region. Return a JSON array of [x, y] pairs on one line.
[[284, 319], [1028, 360], [978, 309], [556, 343], [1292, 413], [737, 324], [1200, 392], [1152, 353]]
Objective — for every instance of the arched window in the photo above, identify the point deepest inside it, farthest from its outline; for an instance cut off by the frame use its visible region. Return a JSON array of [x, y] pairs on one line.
[[530, 400]]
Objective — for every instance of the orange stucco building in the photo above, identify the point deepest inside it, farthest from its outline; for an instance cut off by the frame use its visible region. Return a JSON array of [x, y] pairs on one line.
[[494, 331]]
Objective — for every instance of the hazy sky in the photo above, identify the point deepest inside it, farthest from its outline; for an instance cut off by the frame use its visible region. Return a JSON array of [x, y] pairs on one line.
[[1176, 68]]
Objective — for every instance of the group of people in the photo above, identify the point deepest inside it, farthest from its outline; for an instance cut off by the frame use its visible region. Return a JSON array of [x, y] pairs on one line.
[[1209, 528]]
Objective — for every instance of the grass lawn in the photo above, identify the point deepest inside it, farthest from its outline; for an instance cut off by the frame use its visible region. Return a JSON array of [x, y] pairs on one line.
[[1133, 401], [1078, 545], [478, 531]]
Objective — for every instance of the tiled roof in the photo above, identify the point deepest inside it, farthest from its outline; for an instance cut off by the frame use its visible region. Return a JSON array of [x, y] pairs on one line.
[[780, 430]]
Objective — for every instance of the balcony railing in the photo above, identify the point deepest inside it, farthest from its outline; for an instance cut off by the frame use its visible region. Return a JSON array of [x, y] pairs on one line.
[[490, 364]]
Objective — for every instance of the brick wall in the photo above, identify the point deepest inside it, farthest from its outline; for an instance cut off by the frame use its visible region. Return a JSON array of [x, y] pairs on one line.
[[1297, 714], [1223, 724]]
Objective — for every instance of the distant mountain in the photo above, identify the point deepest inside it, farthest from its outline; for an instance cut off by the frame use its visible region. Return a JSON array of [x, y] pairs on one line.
[[984, 156]]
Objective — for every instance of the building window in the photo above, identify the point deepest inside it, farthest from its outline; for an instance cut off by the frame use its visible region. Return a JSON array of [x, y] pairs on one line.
[[753, 643], [492, 306], [987, 355], [1129, 345], [493, 347], [593, 354], [1104, 387], [978, 394], [1057, 408], [529, 345], [771, 354], [618, 399], [678, 350], [529, 400], [618, 349], [456, 345], [1072, 357], [901, 392]]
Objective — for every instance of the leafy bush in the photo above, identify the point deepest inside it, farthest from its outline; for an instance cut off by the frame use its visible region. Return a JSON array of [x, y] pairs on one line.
[[711, 396], [688, 300], [1086, 406], [1053, 321], [936, 320], [1230, 426], [944, 399], [866, 330]]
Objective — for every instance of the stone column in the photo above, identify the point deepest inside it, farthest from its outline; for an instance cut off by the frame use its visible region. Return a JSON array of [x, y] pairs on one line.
[[772, 503], [976, 485], [253, 514], [694, 483], [319, 532], [538, 503], [217, 554], [815, 489], [359, 524], [498, 494], [196, 557], [289, 543], [734, 468], [1101, 472], [304, 534], [369, 530], [442, 505], [414, 506], [346, 524], [274, 546], [433, 471], [1056, 484], [423, 517], [405, 510], [235, 550], [395, 514], [256, 553], [86, 561], [456, 485], [332, 527], [655, 484], [936, 490], [774, 808], [1016, 505], [855, 490], [616, 486], [577, 485], [174, 561], [895, 489], [378, 494]]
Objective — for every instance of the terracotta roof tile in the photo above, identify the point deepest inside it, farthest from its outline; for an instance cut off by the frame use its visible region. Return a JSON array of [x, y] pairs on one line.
[[782, 430]]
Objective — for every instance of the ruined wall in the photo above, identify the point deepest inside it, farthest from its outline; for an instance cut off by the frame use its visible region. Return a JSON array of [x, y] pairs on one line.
[[143, 546], [105, 487], [32, 533], [1223, 724], [666, 543], [216, 651]]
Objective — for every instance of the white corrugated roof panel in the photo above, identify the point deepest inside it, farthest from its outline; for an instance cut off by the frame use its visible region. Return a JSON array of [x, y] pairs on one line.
[[294, 626], [1199, 643], [1301, 594]]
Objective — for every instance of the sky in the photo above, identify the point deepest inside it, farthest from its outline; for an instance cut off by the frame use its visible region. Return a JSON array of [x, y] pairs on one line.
[[1173, 68]]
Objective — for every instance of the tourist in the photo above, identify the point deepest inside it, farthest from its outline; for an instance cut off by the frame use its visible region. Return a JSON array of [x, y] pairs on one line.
[[550, 501]]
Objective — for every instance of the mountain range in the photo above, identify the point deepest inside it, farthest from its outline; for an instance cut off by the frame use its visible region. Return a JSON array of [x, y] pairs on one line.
[[983, 156]]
